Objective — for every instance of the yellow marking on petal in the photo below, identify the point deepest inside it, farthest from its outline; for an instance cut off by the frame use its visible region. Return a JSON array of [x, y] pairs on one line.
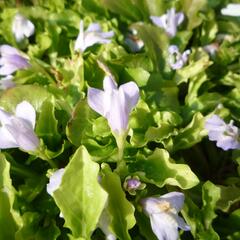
[[164, 206]]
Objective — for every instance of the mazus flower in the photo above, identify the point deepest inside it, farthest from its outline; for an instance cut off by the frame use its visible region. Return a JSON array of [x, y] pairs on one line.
[[11, 60], [132, 184], [226, 135], [163, 213], [91, 36], [6, 82], [22, 27], [169, 21], [176, 59], [113, 103], [17, 130], [232, 9]]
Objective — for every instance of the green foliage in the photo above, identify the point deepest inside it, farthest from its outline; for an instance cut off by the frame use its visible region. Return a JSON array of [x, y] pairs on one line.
[[8, 215], [160, 169], [166, 144], [82, 210], [122, 216]]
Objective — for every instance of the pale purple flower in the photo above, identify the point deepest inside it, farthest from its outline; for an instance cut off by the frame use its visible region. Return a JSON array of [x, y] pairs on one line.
[[226, 135], [132, 184], [55, 181], [232, 9], [169, 21], [133, 42], [11, 60], [176, 59], [91, 36], [163, 214], [113, 103], [6, 82], [22, 27], [18, 130]]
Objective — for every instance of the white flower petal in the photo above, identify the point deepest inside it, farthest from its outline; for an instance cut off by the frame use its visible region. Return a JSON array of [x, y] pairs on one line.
[[5, 117], [29, 28], [23, 134], [8, 50], [116, 115], [94, 27], [6, 82], [22, 27], [109, 84], [159, 21], [131, 92], [176, 199], [96, 100], [164, 226], [6, 139], [182, 224], [55, 181], [179, 18], [79, 44], [231, 10], [26, 111], [8, 69]]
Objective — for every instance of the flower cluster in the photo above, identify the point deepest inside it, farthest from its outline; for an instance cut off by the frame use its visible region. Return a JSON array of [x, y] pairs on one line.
[[226, 135]]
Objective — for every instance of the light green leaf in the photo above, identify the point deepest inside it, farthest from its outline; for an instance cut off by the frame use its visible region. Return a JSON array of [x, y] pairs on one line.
[[188, 136], [34, 94], [79, 123], [8, 216], [80, 197], [32, 229], [160, 170], [192, 9], [195, 67], [156, 42], [121, 210], [47, 125]]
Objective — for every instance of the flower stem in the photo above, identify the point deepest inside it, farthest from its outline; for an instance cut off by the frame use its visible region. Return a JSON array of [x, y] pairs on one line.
[[121, 164]]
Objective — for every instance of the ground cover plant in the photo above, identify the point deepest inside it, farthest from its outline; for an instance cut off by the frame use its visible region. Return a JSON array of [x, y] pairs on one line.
[[119, 119]]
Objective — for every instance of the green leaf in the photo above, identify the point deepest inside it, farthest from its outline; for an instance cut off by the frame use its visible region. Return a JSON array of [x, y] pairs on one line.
[[80, 197], [156, 42], [192, 9], [160, 170], [200, 220], [121, 210], [34, 94], [188, 136], [124, 7], [8, 216], [47, 125], [139, 75], [197, 66], [229, 196], [79, 123], [31, 228]]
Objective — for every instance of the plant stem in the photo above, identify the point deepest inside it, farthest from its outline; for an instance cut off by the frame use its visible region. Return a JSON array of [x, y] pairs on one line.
[[22, 171]]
